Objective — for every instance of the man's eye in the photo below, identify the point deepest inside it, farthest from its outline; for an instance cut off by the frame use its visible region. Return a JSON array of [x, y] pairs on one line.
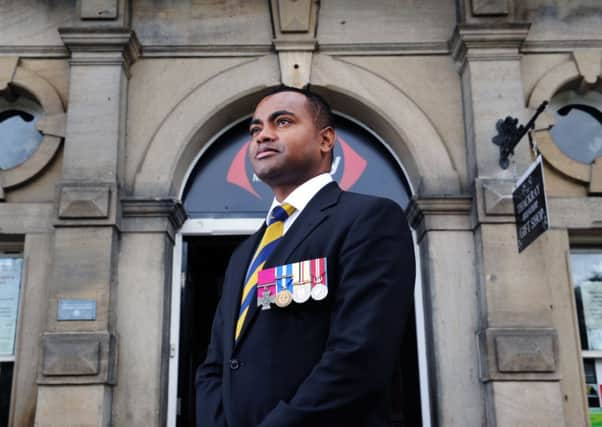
[[253, 131], [282, 121]]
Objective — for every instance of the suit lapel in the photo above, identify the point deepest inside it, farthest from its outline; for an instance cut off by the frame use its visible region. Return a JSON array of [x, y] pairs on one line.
[[313, 215], [237, 280]]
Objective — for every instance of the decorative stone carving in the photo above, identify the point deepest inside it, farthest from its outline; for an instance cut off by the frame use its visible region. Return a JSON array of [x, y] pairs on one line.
[[78, 358], [519, 354], [97, 46], [439, 213], [98, 9], [489, 7], [488, 42], [295, 15], [84, 202], [152, 215], [295, 24], [70, 357]]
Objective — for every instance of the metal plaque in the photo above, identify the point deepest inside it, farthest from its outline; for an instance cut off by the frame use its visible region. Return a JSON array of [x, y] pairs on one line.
[[76, 309]]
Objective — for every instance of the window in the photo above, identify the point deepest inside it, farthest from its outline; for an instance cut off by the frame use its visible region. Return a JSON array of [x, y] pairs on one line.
[[11, 269], [586, 269], [19, 115], [578, 128]]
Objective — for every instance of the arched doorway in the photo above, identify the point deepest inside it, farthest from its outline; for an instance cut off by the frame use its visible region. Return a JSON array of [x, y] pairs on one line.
[[225, 203]]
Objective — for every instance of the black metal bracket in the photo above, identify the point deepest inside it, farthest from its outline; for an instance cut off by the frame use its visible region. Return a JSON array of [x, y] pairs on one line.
[[510, 134]]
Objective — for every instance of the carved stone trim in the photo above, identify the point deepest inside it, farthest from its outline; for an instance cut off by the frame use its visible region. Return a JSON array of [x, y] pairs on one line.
[[142, 215], [84, 202], [440, 213], [518, 354], [391, 49], [487, 42], [101, 46], [559, 46], [78, 358], [489, 7], [494, 200], [294, 39], [187, 51]]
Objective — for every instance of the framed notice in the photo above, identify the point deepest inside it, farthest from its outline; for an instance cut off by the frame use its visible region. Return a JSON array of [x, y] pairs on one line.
[[591, 298], [10, 287]]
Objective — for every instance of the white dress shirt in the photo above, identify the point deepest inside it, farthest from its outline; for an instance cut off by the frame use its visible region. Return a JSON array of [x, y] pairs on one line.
[[300, 197]]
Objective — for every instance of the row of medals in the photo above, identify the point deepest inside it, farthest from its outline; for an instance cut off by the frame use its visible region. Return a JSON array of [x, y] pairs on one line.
[[301, 293]]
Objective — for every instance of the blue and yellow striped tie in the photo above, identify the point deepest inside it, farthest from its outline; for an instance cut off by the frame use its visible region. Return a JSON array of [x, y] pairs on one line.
[[271, 237]]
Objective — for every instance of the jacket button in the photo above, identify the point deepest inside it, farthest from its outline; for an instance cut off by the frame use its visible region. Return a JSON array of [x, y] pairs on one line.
[[234, 364]]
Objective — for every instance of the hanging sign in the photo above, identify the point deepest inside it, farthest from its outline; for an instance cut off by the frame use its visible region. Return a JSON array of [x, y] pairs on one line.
[[530, 205], [10, 285]]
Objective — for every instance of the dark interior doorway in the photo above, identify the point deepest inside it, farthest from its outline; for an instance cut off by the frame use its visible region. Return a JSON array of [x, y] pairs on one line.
[[204, 261]]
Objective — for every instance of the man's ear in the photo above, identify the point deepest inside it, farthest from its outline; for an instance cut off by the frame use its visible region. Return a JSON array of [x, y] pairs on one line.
[[327, 139]]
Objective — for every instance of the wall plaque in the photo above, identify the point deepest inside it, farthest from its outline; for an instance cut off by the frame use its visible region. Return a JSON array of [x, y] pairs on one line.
[[76, 309]]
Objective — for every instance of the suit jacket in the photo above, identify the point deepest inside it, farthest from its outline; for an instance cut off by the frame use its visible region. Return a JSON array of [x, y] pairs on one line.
[[320, 363]]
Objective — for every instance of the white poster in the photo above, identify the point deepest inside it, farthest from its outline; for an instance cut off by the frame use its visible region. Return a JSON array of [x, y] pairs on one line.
[[591, 297], [10, 285]]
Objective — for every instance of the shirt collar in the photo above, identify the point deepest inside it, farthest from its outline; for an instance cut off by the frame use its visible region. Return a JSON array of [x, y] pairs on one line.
[[301, 195]]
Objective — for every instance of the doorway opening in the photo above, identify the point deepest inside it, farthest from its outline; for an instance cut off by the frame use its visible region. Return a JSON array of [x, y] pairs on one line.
[[204, 260]]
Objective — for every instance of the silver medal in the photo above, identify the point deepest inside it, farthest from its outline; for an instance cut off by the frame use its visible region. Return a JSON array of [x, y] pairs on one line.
[[319, 292]]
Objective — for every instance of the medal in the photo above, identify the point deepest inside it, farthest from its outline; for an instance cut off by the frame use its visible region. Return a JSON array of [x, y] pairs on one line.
[[266, 288], [319, 289], [266, 298], [283, 298], [301, 281], [284, 283]]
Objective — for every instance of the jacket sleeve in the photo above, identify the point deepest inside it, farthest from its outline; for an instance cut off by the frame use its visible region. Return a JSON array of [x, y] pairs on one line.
[[208, 381], [370, 310]]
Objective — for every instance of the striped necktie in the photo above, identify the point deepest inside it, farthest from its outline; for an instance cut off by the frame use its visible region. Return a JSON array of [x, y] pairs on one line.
[[271, 237]]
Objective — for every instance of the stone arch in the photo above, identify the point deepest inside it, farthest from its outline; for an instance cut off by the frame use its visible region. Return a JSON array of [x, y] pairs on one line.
[[51, 125], [352, 90]]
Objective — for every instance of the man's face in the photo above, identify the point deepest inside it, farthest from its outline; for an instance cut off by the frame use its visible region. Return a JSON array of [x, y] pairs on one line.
[[286, 148]]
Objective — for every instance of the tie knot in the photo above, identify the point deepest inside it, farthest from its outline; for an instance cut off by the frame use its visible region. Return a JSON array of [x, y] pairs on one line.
[[281, 213]]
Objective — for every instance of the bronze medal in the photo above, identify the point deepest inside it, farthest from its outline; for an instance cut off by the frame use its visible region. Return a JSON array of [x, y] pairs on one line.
[[283, 298]]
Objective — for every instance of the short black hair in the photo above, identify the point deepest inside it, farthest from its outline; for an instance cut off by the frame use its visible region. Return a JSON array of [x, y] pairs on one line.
[[318, 105]]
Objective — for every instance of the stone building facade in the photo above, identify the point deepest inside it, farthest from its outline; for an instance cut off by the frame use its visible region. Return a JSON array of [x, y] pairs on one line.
[[127, 96]]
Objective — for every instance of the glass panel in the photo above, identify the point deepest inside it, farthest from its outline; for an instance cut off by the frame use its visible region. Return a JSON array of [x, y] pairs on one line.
[[19, 136], [10, 286], [222, 182], [578, 128], [586, 267]]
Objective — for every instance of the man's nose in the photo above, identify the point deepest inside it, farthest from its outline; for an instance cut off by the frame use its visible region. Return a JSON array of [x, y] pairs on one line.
[[265, 134]]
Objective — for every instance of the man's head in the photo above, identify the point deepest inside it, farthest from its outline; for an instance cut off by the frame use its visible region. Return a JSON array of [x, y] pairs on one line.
[[293, 136]]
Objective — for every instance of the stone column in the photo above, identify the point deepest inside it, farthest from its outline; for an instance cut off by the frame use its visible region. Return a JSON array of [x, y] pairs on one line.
[[518, 294], [447, 254], [78, 366], [144, 310]]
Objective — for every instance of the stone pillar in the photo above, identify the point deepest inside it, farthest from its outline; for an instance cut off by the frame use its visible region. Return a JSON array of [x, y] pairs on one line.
[[521, 314], [78, 366], [447, 254], [144, 310]]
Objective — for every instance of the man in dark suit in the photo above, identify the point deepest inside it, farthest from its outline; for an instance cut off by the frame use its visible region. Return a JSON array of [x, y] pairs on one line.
[[328, 361]]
